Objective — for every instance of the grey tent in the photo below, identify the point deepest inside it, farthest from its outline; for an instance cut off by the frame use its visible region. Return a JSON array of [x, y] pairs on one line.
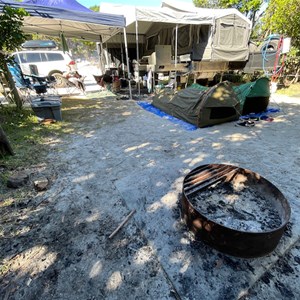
[[201, 106]]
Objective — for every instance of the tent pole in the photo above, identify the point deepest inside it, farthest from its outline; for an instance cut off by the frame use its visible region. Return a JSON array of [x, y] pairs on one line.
[[176, 44], [127, 62], [137, 53]]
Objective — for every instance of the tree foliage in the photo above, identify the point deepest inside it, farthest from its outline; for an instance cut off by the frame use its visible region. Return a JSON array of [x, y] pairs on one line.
[[282, 16], [247, 7], [95, 8], [207, 3], [11, 21], [11, 37], [244, 6]]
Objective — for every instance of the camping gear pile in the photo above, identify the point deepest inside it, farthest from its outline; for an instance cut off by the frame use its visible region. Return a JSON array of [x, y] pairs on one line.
[[223, 102]]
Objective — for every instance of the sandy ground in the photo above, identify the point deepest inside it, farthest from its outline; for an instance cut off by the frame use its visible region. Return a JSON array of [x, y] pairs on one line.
[[128, 158]]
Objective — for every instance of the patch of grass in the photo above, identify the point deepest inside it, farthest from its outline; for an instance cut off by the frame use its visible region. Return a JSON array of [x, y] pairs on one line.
[[31, 140], [293, 90], [25, 134], [75, 110], [7, 202], [3, 269]]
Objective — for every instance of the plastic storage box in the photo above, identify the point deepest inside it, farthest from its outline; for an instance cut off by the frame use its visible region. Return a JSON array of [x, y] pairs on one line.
[[47, 108]]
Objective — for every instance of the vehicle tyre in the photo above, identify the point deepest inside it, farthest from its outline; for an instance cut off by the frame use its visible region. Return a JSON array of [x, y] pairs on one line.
[[59, 82], [53, 72], [268, 46]]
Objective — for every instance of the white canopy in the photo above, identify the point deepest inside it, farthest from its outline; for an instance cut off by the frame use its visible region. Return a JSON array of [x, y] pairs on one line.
[[203, 13], [180, 13], [210, 34], [147, 16]]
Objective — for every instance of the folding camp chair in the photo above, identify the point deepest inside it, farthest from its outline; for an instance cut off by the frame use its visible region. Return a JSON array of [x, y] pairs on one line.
[[22, 84], [29, 87], [76, 86], [43, 85]]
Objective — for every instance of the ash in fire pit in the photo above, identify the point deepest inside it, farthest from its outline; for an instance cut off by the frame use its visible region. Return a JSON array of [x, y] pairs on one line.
[[234, 210], [237, 207]]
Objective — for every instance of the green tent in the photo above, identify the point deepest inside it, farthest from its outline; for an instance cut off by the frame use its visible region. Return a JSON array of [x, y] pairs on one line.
[[201, 106], [253, 96], [224, 102]]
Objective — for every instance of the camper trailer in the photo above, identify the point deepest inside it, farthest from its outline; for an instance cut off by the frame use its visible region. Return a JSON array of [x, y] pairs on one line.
[[188, 41], [201, 43]]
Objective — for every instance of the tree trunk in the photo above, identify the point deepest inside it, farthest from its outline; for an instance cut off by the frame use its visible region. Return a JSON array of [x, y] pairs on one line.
[[5, 147], [16, 97], [296, 78], [253, 19]]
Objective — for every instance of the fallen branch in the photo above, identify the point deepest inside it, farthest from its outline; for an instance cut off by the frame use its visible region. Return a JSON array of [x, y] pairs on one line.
[[122, 224]]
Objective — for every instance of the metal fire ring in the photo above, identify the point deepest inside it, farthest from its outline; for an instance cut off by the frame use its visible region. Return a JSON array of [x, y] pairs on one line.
[[234, 210]]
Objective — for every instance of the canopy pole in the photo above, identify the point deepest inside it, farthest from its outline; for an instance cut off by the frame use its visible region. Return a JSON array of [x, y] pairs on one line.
[[100, 53], [122, 60], [108, 57], [127, 62], [137, 53], [105, 56], [176, 44]]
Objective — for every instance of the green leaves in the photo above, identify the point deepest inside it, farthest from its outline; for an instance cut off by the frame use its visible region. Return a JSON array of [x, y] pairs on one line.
[[282, 16], [11, 37], [248, 7], [95, 8], [11, 21]]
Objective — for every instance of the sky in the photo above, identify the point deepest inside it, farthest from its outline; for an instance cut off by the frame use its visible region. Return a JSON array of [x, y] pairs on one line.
[[89, 3]]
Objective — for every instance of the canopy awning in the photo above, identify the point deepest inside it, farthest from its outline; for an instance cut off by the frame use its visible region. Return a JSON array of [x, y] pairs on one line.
[[65, 4], [147, 16], [74, 24], [170, 15], [202, 13]]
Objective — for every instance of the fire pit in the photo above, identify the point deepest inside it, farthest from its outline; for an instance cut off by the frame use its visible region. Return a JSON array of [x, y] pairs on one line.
[[234, 210]]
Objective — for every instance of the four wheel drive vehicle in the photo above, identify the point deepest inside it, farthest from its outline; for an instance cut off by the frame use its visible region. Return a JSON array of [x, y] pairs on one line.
[[43, 62]]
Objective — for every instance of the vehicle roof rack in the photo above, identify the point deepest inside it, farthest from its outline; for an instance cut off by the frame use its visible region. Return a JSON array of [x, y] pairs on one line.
[[39, 44]]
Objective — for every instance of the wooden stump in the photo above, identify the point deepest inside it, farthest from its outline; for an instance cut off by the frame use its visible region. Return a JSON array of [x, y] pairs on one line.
[[5, 147]]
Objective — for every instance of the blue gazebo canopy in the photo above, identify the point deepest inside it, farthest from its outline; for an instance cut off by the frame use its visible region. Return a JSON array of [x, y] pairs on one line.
[[65, 4], [52, 20]]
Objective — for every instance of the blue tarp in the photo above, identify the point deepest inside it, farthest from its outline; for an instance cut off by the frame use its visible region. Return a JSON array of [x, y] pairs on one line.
[[149, 107], [264, 115], [187, 126], [66, 4]]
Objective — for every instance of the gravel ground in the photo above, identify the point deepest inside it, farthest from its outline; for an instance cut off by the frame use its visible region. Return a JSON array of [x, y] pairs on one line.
[[129, 159]]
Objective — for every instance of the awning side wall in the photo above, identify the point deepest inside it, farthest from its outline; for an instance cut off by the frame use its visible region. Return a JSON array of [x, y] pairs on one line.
[[230, 41]]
